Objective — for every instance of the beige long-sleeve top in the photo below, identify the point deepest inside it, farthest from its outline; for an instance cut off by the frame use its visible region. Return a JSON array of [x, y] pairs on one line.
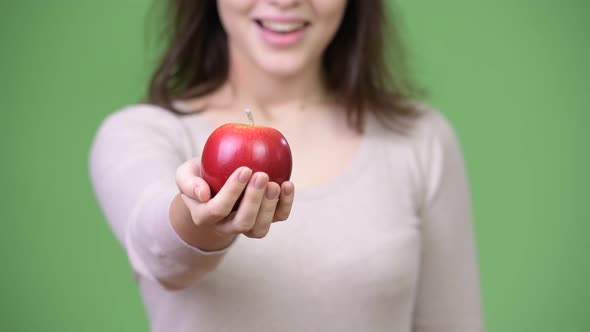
[[386, 246]]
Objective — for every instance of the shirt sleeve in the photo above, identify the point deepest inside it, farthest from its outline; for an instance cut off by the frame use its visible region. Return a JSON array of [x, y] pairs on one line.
[[448, 294], [132, 164]]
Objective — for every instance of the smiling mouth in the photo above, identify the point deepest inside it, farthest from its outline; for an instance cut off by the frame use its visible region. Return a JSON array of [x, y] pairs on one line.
[[282, 27]]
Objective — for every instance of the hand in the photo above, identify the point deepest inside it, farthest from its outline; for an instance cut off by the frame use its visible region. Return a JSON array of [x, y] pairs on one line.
[[263, 202]]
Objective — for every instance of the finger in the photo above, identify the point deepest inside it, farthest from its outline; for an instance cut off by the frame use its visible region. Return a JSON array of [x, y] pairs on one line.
[[245, 217], [190, 183], [285, 201], [266, 212], [220, 206]]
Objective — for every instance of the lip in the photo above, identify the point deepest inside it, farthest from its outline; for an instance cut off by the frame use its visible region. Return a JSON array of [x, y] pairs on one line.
[[281, 19], [278, 39]]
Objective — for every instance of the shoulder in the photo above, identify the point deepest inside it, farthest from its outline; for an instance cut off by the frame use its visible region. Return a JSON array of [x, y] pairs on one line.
[[432, 132], [427, 126], [143, 120], [431, 125], [142, 126], [430, 147], [141, 115]]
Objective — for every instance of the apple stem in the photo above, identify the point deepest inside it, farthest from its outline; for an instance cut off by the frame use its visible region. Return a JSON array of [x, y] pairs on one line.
[[250, 116]]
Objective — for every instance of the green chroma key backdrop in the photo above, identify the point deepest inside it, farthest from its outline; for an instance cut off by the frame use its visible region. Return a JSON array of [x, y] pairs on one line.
[[512, 75]]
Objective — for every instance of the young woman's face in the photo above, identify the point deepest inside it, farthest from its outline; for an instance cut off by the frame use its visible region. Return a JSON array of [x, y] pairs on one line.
[[281, 37]]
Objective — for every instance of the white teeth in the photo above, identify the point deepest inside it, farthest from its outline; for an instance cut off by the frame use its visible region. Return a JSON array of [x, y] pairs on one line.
[[282, 27]]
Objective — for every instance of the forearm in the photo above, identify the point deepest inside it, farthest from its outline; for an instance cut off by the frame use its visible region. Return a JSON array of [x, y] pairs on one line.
[[202, 237], [176, 259], [132, 163]]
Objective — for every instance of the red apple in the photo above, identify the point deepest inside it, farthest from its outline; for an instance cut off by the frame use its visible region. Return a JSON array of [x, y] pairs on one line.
[[233, 145]]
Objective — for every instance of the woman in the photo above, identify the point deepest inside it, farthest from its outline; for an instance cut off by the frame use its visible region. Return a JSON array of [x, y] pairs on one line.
[[379, 236]]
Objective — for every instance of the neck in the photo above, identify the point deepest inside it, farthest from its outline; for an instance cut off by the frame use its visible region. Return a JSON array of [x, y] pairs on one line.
[[264, 93]]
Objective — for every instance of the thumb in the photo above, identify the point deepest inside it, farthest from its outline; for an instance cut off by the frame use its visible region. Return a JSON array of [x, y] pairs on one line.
[[190, 183], [201, 190]]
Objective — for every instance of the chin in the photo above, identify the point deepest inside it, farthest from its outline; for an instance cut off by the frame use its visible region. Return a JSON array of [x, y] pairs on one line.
[[284, 65], [283, 70]]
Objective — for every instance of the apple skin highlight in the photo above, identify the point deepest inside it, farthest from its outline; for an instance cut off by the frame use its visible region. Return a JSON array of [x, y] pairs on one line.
[[233, 145]]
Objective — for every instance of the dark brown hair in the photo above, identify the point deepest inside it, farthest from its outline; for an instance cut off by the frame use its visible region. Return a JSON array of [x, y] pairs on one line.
[[195, 61]]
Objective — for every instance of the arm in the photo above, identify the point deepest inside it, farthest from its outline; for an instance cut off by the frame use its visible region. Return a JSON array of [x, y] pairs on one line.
[[448, 295], [133, 161]]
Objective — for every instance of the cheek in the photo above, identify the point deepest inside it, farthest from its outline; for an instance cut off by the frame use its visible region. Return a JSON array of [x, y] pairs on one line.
[[233, 15], [329, 14], [330, 9]]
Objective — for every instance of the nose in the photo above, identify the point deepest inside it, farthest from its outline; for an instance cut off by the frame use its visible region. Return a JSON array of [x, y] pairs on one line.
[[285, 3]]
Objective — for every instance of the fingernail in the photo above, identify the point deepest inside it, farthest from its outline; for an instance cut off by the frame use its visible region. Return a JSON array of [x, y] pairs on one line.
[[244, 175], [272, 194], [198, 192], [260, 181], [288, 190]]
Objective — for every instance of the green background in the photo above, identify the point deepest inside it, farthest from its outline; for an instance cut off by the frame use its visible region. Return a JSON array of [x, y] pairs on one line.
[[512, 75]]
